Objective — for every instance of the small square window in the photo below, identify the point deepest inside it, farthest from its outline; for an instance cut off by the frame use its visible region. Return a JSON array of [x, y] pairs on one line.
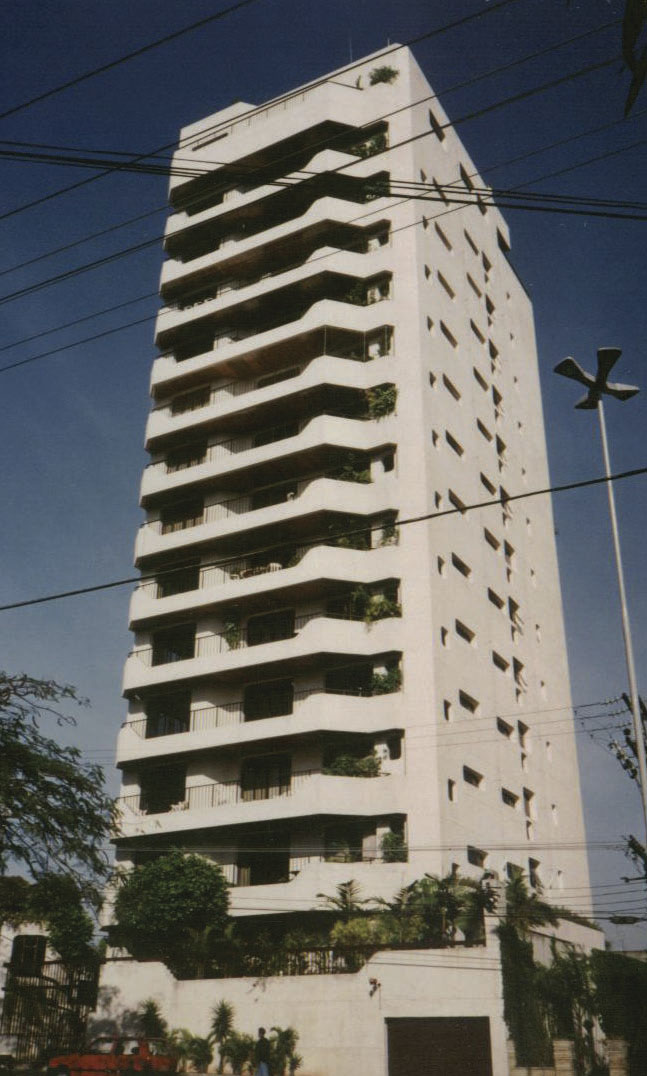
[[456, 501], [495, 598], [446, 285], [509, 798], [471, 242], [451, 790], [436, 127], [447, 710], [504, 728], [449, 336]]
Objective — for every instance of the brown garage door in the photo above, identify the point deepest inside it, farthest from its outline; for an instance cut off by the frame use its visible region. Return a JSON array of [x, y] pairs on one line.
[[439, 1046]]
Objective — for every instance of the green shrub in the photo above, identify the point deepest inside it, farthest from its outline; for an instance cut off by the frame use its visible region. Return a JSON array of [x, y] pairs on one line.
[[383, 74], [394, 848], [387, 682], [381, 401]]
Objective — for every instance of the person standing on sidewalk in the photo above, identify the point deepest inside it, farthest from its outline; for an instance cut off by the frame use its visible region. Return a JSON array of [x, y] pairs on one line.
[[262, 1054]]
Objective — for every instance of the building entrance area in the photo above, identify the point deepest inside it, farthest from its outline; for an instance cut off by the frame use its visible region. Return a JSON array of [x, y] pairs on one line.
[[439, 1046]]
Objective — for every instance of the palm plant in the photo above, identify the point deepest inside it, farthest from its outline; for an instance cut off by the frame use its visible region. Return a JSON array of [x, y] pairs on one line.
[[238, 1050], [282, 1047], [222, 1025], [346, 900], [149, 1020], [525, 910]]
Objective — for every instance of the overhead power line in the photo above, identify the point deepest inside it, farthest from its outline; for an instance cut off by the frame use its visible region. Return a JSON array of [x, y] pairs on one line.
[[171, 145], [426, 517], [124, 59], [444, 92]]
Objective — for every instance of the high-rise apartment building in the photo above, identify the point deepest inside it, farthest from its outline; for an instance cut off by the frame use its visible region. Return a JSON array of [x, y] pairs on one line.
[[339, 668]]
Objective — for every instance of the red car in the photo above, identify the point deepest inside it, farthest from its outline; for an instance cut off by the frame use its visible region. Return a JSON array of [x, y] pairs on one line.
[[118, 1055]]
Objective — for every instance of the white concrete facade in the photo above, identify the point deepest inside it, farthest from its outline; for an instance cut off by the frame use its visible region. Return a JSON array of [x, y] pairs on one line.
[[298, 293]]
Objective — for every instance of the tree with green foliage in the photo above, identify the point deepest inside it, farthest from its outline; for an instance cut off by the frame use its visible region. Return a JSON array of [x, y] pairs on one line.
[[55, 902], [222, 1024], [55, 816], [173, 909]]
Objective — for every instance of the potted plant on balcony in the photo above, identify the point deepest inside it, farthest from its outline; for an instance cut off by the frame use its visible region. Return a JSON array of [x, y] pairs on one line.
[[232, 632]]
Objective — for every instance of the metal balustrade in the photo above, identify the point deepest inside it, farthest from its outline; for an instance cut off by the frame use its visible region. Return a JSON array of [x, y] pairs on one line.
[[220, 794]]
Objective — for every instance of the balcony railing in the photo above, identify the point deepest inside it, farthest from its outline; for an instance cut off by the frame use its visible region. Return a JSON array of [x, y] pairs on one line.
[[226, 714], [219, 794], [222, 642], [246, 502]]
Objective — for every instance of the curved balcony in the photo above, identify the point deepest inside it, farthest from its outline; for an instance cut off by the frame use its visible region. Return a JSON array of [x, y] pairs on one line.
[[211, 805], [300, 279], [209, 406], [281, 242], [248, 140], [241, 454], [315, 634], [238, 352], [239, 514], [314, 711], [240, 578]]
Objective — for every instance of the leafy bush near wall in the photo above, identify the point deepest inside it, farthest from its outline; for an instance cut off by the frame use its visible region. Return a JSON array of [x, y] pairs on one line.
[[620, 984], [383, 74], [522, 1009], [381, 400], [394, 848], [386, 682]]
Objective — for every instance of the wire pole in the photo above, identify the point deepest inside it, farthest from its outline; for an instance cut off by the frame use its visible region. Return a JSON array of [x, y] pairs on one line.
[[639, 731]]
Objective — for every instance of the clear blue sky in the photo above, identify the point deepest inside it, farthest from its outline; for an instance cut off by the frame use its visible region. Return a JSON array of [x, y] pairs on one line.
[[72, 425]]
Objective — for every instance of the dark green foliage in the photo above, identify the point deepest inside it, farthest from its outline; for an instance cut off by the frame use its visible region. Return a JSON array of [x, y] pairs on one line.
[[173, 909], [346, 533], [394, 848], [620, 985], [522, 1009], [348, 765], [149, 1022], [237, 1049], [222, 1025], [387, 682], [56, 902], [55, 815], [383, 74], [381, 400]]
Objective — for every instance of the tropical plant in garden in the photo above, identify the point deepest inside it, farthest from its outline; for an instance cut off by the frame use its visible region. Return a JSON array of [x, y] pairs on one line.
[[222, 1024]]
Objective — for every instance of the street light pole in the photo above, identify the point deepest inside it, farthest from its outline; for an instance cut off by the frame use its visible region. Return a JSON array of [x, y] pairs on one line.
[[597, 387]]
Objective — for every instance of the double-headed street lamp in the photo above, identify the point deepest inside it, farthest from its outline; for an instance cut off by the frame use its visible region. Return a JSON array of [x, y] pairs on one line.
[[597, 386]]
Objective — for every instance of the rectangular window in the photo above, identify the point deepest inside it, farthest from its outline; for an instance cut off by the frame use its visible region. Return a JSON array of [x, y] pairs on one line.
[[504, 728], [509, 798], [447, 710], [451, 789]]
